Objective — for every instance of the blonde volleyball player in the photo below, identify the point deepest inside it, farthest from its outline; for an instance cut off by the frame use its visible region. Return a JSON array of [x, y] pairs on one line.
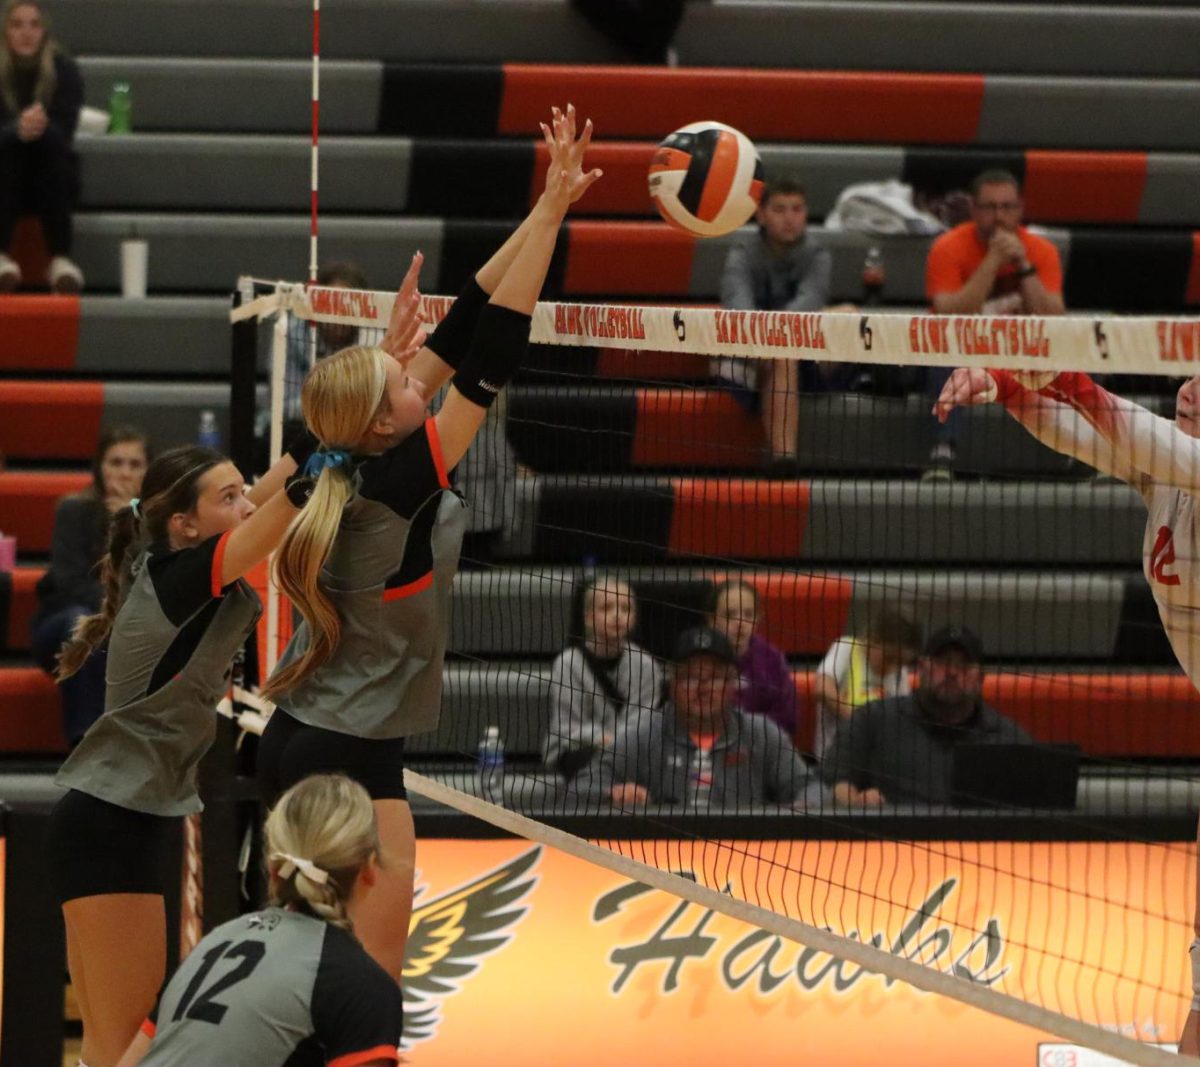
[[175, 611], [290, 984], [1161, 460], [370, 564]]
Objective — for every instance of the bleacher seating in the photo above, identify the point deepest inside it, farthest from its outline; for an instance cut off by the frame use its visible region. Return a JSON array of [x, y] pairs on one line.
[[428, 114]]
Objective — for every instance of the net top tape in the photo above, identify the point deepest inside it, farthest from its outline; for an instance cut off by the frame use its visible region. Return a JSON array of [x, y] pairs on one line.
[[1169, 347]]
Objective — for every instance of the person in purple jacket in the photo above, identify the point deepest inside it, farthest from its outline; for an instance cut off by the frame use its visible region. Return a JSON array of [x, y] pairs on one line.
[[766, 686]]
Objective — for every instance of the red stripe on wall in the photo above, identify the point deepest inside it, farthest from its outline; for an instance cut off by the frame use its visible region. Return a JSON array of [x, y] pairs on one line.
[[682, 428], [768, 104], [628, 258], [1105, 714], [1108, 714], [22, 605], [1084, 186], [742, 518], [29, 712], [50, 420], [622, 191], [39, 332], [1192, 295], [631, 363], [27, 503], [802, 614]]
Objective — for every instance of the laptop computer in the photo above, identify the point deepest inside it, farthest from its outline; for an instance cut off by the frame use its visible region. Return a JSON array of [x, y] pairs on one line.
[[1015, 776]]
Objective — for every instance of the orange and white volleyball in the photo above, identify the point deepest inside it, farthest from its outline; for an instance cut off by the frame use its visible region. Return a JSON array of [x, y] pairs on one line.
[[706, 179]]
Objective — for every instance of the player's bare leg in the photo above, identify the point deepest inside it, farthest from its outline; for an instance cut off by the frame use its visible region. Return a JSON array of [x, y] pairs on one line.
[[119, 962], [780, 407], [382, 922]]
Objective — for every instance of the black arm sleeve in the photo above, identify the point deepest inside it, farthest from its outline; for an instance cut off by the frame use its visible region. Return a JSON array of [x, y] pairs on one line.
[[500, 343], [356, 1005], [451, 340]]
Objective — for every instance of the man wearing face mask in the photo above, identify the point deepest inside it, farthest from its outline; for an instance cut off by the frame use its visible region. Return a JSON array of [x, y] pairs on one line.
[[900, 750]]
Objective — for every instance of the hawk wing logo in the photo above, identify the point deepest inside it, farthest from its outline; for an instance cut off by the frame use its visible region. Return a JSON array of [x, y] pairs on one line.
[[449, 936]]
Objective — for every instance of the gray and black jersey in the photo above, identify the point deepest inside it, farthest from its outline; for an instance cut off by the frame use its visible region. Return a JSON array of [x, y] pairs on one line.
[[277, 988], [389, 575], [169, 661]]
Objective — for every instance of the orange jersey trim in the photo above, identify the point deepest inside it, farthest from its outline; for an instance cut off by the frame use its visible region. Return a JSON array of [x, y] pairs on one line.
[[218, 562], [409, 589], [148, 1028], [435, 447], [379, 1052]]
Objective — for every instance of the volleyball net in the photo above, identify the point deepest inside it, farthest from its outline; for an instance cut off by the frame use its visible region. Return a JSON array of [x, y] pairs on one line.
[[1052, 885]]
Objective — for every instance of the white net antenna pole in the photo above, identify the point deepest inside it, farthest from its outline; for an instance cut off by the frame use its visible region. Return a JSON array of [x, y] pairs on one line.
[[316, 125]]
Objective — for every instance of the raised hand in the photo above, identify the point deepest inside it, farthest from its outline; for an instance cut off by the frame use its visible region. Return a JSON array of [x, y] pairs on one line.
[[566, 150], [966, 386], [405, 334]]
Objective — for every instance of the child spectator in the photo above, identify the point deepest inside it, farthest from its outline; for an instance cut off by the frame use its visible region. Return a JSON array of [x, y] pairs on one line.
[[70, 588], [859, 669], [599, 677], [765, 679], [41, 93]]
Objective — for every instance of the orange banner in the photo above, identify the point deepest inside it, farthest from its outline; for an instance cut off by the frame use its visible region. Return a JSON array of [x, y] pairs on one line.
[[521, 954]]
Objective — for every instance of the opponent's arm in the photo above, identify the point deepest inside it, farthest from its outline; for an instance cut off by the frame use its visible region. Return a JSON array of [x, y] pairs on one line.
[[1075, 416]]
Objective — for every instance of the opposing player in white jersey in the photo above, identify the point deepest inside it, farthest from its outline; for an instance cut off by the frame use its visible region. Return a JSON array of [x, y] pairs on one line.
[[1161, 460]]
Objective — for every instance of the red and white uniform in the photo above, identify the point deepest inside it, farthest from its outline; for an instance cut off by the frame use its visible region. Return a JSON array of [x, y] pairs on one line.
[[1074, 415]]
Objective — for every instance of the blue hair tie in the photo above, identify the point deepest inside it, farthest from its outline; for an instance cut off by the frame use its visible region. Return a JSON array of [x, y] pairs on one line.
[[323, 458], [133, 506]]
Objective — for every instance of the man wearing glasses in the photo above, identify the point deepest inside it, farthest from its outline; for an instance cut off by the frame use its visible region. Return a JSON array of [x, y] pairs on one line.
[[991, 265]]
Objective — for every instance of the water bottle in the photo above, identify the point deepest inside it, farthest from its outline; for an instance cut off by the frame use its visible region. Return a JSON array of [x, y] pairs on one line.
[[120, 109], [873, 277], [491, 766], [208, 436]]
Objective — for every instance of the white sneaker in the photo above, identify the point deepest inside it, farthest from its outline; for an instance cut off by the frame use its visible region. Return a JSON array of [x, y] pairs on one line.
[[64, 276], [10, 274]]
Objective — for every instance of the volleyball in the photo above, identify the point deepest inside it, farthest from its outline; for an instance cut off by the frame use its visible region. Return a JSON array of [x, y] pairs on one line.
[[706, 179]]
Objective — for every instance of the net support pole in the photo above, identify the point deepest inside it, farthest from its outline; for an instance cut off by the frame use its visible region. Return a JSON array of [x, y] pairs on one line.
[[316, 128], [243, 382]]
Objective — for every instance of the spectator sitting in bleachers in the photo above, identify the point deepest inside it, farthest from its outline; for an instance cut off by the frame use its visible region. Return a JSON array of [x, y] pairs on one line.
[[41, 93], [70, 588], [860, 668], [900, 750], [991, 265], [779, 268], [599, 679], [701, 751], [766, 685]]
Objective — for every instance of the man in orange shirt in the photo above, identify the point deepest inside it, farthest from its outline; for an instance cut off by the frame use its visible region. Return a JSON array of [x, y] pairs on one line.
[[991, 265]]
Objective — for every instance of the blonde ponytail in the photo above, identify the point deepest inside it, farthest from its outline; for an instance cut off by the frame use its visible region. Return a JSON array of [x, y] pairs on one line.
[[298, 563], [320, 834], [342, 396]]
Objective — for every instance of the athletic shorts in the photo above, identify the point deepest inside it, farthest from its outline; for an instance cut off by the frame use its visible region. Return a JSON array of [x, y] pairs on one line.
[[95, 848], [291, 750]]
